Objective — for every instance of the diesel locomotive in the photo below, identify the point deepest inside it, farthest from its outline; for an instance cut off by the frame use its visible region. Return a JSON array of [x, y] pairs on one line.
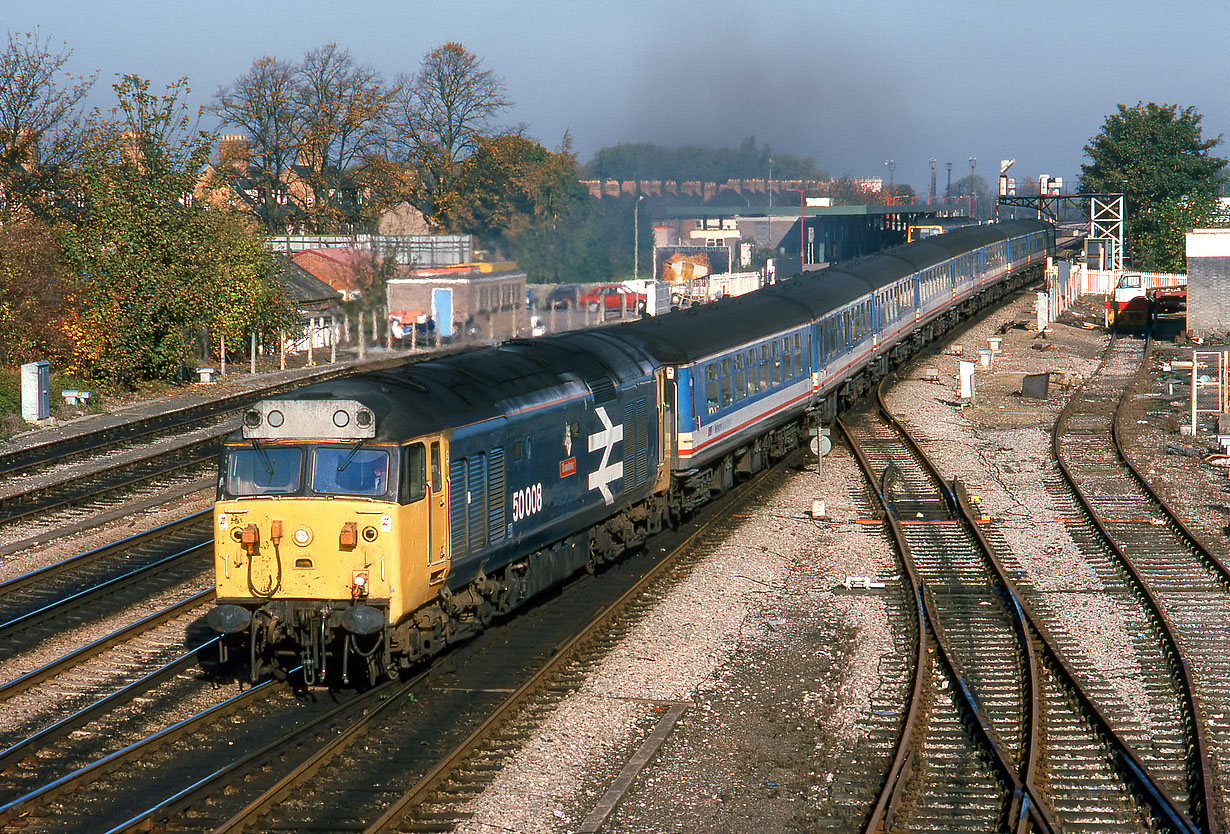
[[367, 522]]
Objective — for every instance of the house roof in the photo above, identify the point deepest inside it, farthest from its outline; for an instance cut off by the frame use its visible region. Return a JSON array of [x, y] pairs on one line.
[[303, 287], [336, 266]]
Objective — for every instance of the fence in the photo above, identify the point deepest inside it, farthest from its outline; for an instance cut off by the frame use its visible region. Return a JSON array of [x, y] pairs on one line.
[[1066, 282], [409, 250]]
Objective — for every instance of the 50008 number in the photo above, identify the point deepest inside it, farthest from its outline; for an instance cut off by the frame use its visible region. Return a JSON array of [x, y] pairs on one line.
[[526, 502]]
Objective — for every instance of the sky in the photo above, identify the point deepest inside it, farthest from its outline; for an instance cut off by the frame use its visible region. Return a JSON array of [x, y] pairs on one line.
[[849, 84]]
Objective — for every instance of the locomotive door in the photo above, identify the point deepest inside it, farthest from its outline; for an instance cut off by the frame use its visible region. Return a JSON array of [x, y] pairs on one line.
[[437, 514]]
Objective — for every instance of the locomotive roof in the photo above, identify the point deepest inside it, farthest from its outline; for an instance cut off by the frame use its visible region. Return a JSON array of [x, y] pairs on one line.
[[452, 391]]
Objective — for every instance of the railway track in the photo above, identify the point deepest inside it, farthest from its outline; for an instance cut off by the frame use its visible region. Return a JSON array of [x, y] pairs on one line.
[[48, 603], [1186, 585], [1000, 733], [71, 477], [322, 775]]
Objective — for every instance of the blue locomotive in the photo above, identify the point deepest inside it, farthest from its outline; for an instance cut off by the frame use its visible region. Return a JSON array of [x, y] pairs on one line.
[[375, 519]]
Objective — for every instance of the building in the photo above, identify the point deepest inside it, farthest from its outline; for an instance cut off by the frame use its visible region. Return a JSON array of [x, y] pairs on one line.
[[484, 301], [1208, 282]]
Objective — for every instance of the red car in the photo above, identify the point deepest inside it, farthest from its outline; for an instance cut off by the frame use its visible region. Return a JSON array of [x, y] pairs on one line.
[[612, 297]]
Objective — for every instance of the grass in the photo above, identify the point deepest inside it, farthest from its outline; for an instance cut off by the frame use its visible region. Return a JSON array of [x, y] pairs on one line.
[[11, 421]]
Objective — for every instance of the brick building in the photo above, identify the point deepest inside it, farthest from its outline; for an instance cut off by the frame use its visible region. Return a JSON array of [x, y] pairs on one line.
[[1208, 282], [481, 300]]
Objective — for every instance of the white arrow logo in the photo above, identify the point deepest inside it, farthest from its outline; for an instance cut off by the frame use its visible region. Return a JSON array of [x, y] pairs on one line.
[[607, 471]]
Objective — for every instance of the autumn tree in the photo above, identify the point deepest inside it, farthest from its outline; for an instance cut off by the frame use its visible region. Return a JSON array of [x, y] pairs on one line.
[[1157, 158], [313, 128], [508, 183], [32, 297], [40, 125], [342, 108], [442, 115], [264, 103], [150, 267]]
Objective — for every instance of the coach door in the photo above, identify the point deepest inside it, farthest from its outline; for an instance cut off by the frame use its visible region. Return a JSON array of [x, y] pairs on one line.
[[437, 513], [668, 454]]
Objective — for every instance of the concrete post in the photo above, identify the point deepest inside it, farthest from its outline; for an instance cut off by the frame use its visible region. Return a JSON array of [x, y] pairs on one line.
[[362, 338], [253, 367]]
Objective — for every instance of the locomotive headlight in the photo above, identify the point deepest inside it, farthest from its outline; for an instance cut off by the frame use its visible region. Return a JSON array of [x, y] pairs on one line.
[[302, 536], [369, 534], [252, 419], [341, 419]]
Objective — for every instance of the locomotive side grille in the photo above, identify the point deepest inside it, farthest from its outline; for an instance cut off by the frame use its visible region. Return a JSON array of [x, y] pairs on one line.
[[496, 496], [457, 507], [629, 447], [476, 480], [642, 442], [602, 388]]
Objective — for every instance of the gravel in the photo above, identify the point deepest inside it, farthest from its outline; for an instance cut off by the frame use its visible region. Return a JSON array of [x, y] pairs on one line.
[[778, 664]]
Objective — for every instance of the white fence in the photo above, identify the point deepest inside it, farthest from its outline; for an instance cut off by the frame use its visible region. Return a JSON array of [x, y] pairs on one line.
[[1067, 282]]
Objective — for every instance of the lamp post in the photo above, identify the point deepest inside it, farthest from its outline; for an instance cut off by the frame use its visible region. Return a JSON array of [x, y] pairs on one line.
[[892, 165], [636, 235], [973, 160], [802, 227]]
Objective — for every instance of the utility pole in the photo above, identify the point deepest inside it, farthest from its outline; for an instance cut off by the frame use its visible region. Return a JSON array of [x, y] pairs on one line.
[[931, 196], [973, 160], [636, 235], [948, 190]]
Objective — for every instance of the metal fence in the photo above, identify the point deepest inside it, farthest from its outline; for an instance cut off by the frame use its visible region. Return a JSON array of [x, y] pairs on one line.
[[409, 250]]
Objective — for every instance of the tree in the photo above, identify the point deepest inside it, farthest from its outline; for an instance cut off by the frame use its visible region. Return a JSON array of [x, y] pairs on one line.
[[40, 124], [342, 109], [263, 102], [508, 183], [32, 300], [442, 115], [1156, 156], [150, 268]]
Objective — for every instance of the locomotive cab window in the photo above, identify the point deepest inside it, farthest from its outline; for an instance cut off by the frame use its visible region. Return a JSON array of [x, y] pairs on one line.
[[263, 470], [413, 474], [437, 482], [350, 471]]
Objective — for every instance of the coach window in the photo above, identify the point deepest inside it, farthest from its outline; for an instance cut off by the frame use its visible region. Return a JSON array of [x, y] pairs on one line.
[[777, 364], [413, 474], [787, 359], [798, 354], [766, 373], [752, 385], [739, 378], [727, 397], [711, 387]]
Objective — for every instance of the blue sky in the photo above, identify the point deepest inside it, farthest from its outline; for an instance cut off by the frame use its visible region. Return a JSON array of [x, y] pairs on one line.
[[850, 84]]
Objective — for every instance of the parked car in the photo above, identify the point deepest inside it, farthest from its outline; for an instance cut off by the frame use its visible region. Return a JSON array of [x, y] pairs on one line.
[[563, 297], [612, 297]]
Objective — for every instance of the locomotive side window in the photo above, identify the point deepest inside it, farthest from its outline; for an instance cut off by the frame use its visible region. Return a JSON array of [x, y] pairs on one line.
[[413, 474], [263, 470], [437, 485], [339, 470]]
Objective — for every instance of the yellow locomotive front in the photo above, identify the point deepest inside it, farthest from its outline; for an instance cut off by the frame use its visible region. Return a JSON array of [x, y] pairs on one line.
[[323, 537]]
